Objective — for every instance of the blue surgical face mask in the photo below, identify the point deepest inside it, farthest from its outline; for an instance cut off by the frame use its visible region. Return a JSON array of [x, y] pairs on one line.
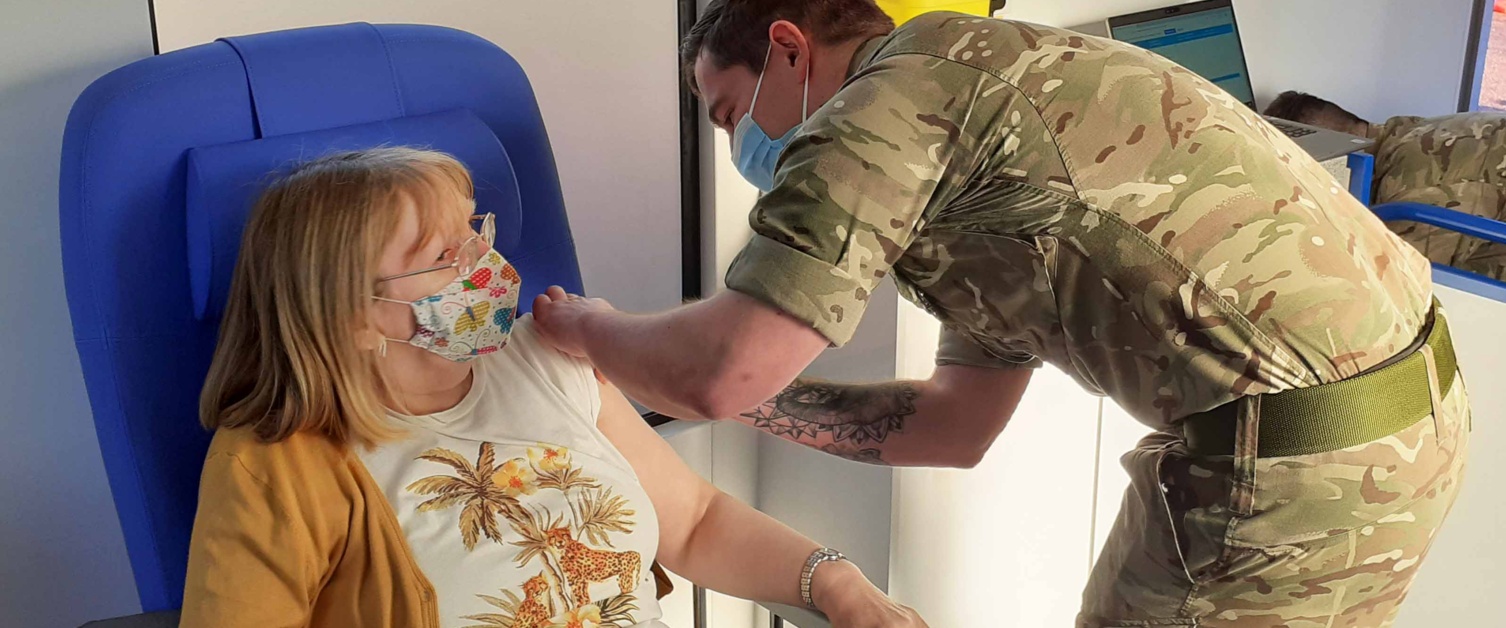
[[757, 154]]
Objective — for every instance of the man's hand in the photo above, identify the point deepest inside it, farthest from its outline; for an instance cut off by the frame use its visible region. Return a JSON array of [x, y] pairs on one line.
[[561, 318]]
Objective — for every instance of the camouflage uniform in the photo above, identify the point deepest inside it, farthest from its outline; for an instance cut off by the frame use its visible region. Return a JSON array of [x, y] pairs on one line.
[[1458, 162], [1051, 196]]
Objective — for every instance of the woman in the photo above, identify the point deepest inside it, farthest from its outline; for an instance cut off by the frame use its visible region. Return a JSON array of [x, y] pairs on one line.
[[393, 449]]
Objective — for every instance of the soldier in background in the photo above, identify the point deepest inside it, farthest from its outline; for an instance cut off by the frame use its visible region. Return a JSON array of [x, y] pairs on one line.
[[1061, 198], [1456, 162]]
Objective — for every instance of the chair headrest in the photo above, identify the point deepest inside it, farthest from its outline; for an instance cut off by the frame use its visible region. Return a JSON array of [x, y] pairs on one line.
[[224, 182]]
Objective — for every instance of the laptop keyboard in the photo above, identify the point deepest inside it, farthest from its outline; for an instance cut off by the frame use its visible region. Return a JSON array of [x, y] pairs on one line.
[[1290, 130]]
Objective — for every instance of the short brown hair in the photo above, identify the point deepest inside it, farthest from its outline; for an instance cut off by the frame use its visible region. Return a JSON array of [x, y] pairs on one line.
[[736, 32], [1309, 109], [288, 358]]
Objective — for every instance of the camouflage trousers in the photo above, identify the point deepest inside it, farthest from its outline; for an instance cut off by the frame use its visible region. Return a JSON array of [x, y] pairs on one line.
[[1323, 540]]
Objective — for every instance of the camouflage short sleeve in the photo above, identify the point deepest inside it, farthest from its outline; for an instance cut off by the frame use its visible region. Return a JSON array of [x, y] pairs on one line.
[[857, 183]]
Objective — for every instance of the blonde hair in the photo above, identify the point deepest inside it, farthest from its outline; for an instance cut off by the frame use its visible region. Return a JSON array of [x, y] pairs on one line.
[[289, 358]]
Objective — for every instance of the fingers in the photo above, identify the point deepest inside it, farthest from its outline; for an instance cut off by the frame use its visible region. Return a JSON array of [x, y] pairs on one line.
[[543, 302]]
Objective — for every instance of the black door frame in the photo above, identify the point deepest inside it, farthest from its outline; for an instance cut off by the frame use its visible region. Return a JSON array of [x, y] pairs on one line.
[[690, 170], [1474, 55]]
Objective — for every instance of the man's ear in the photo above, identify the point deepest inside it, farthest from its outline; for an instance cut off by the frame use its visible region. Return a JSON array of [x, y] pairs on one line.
[[788, 42]]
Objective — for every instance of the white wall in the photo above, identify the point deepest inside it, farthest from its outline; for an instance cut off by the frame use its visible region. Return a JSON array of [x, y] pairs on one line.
[[1379, 58], [606, 78], [62, 556]]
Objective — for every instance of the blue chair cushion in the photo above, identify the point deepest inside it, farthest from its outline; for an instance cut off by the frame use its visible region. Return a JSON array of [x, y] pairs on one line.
[[224, 182]]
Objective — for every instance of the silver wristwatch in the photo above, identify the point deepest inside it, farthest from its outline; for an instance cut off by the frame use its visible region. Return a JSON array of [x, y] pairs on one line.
[[823, 555]]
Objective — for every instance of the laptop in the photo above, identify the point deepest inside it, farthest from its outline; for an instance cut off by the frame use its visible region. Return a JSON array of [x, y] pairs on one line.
[[1204, 37]]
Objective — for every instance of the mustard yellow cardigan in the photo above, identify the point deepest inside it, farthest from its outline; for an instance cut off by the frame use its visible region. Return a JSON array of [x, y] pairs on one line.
[[296, 533]]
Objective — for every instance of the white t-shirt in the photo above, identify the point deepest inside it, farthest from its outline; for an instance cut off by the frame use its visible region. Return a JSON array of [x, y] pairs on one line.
[[517, 508]]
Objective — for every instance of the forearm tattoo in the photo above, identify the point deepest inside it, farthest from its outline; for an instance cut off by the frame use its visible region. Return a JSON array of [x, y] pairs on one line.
[[855, 414]]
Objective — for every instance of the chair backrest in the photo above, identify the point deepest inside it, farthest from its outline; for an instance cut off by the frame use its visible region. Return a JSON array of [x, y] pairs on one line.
[[161, 161]]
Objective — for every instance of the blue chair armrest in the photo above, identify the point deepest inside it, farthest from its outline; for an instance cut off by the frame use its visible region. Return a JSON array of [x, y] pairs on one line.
[[1361, 175], [1474, 226], [1472, 283], [164, 619], [1459, 222]]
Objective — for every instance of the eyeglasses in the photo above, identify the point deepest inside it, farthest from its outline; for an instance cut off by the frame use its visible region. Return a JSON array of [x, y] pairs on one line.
[[464, 257]]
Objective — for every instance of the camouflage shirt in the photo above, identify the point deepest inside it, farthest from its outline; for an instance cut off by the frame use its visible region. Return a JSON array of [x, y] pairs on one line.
[[1457, 162], [1053, 196]]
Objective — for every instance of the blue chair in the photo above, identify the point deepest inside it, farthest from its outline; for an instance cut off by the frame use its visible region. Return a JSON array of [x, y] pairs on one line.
[[1362, 178], [1459, 222], [161, 162]]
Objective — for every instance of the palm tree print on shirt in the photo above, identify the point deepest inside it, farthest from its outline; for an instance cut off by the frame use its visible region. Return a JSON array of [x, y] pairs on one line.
[[487, 490]]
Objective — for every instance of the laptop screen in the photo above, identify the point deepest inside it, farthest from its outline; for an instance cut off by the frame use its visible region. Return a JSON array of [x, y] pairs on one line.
[[1204, 41]]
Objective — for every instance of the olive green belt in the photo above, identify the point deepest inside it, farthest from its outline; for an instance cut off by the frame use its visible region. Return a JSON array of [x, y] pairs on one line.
[[1335, 416]]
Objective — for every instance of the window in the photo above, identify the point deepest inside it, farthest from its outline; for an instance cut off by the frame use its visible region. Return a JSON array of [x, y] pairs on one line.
[[1489, 71]]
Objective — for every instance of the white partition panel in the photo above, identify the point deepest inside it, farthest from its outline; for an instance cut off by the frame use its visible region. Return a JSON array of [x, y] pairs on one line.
[[1008, 543], [1118, 433]]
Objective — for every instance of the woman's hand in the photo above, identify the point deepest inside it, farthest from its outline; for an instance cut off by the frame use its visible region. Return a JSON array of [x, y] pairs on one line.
[[849, 600], [561, 319]]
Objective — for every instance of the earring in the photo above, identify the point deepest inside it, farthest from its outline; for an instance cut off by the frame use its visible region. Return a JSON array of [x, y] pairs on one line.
[[382, 347]]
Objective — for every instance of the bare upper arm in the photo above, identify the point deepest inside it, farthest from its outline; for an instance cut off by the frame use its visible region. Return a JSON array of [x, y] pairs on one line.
[[957, 416], [976, 403], [763, 350], [994, 391], [680, 496]]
